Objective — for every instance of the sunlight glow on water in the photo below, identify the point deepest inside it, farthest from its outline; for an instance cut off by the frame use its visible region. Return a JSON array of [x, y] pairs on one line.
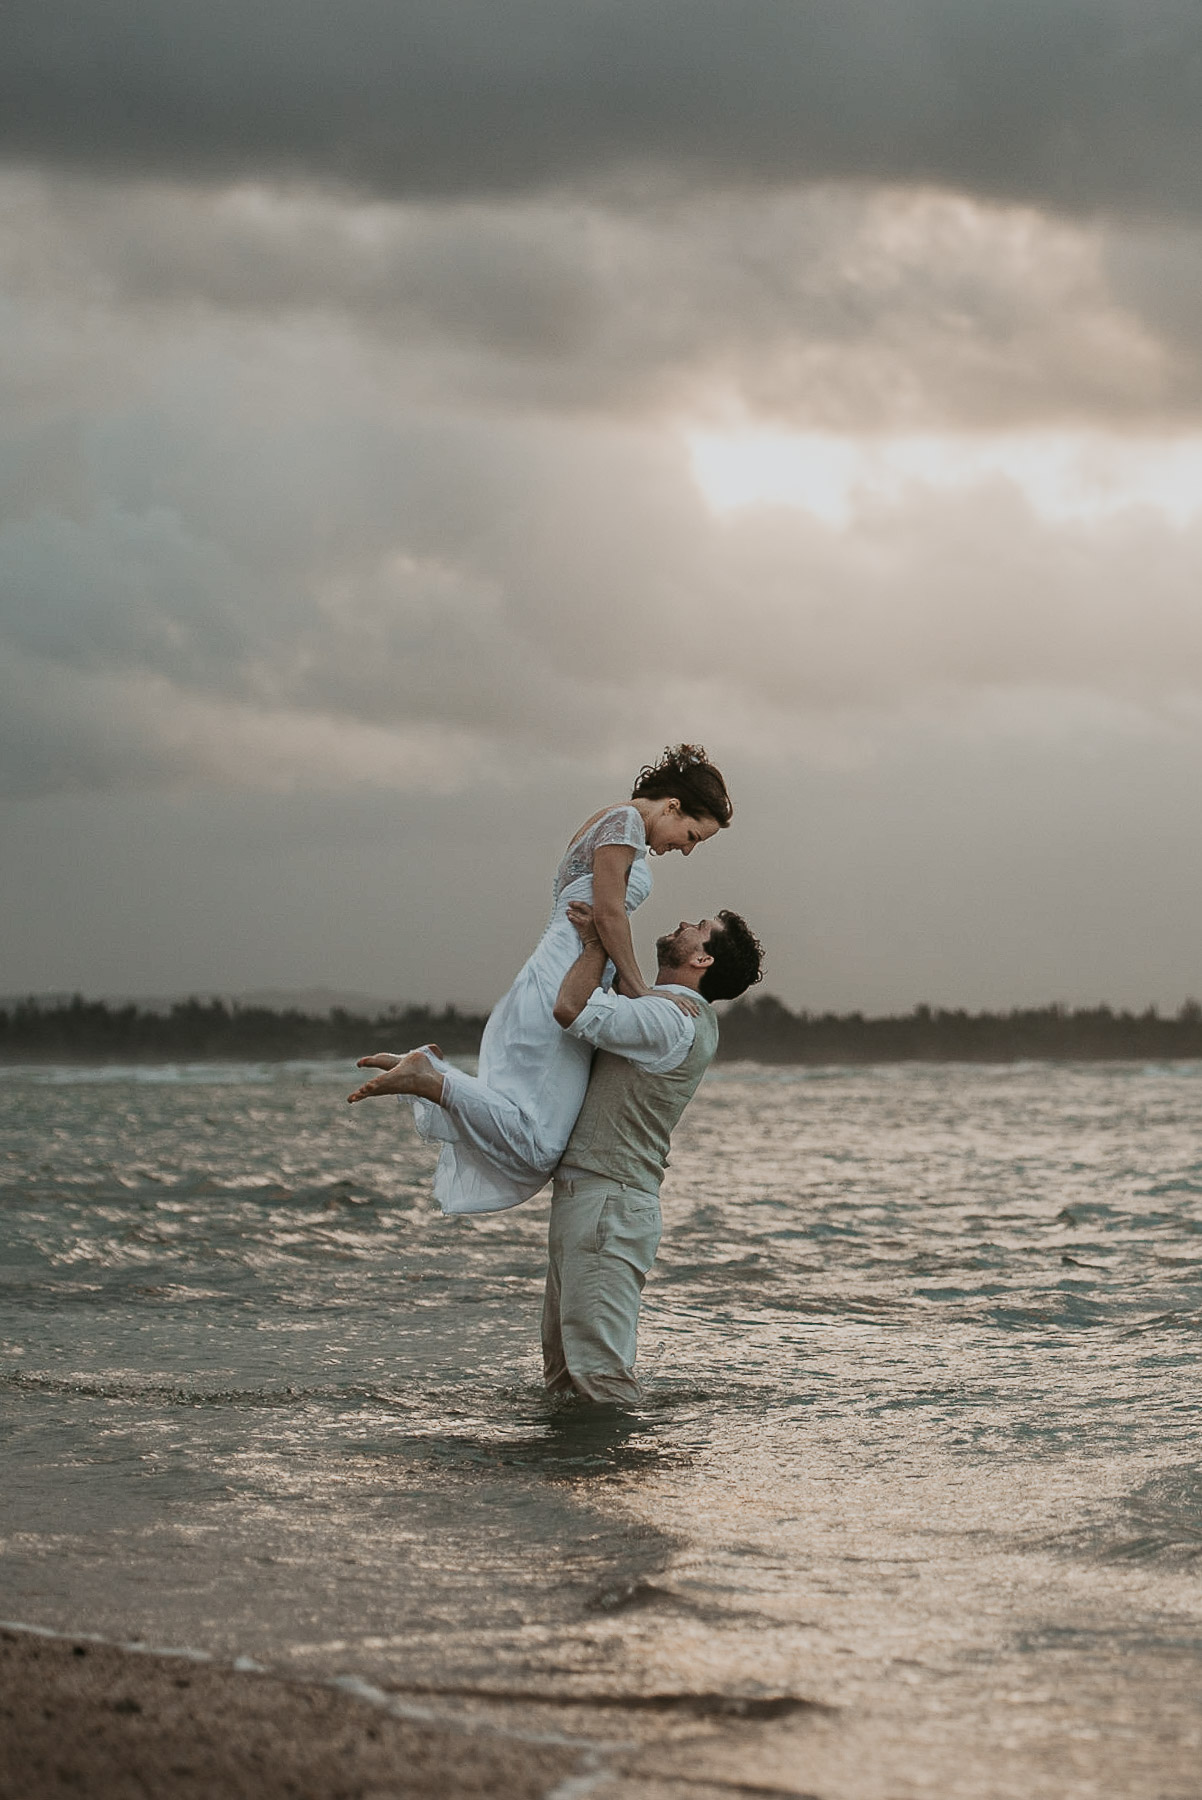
[[920, 1428]]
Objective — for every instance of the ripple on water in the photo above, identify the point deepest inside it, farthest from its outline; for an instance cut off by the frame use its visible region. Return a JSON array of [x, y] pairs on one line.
[[907, 1323]]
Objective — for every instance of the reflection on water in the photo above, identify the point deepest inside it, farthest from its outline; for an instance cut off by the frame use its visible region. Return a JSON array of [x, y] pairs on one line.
[[919, 1443], [566, 1440]]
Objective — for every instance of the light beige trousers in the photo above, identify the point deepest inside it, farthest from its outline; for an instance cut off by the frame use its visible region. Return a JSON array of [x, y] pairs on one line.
[[602, 1243]]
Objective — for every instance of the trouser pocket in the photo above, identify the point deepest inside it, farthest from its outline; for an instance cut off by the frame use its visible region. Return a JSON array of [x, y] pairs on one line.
[[628, 1227]]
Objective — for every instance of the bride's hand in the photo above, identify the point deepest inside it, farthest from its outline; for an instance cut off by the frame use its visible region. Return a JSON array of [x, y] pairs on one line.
[[688, 1007]]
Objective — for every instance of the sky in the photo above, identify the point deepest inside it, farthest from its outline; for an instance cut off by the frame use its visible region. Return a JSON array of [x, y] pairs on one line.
[[415, 415]]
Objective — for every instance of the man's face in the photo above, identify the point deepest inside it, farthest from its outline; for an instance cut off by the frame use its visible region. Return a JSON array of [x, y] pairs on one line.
[[676, 947]]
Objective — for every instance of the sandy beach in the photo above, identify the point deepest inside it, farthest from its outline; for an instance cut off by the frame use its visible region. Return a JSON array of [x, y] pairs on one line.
[[80, 1717], [118, 1722]]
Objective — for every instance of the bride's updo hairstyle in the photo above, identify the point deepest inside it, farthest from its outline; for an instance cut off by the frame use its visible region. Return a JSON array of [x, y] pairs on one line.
[[686, 774]]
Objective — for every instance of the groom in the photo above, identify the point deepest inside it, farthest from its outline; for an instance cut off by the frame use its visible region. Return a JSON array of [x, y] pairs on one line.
[[605, 1218]]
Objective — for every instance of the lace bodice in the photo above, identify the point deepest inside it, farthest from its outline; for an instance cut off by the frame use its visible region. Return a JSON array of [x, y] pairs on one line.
[[621, 825]]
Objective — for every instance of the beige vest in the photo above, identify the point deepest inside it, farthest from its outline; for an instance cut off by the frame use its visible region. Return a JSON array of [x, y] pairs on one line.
[[628, 1115]]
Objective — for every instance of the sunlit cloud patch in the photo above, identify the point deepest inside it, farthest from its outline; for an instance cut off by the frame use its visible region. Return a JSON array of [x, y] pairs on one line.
[[1061, 475]]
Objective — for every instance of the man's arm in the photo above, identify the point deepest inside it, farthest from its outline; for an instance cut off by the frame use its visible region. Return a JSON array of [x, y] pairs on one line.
[[585, 973], [651, 1031]]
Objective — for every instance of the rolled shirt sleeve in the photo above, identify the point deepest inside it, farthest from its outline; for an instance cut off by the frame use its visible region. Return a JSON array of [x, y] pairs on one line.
[[651, 1032]]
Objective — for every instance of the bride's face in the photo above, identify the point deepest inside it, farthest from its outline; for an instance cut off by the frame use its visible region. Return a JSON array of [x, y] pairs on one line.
[[672, 829]]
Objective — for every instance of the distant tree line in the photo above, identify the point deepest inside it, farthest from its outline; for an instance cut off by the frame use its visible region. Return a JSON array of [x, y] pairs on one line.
[[763, 1030], [81, 1030], [756, 1030]]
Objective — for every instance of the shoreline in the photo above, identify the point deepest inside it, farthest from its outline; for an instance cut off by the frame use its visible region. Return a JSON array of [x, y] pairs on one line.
[[82, 1714], [116, 1721]]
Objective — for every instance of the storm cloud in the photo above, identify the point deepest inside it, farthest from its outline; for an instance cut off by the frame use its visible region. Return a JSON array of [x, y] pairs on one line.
[[413, 416], [850, 308], [1048, 100]]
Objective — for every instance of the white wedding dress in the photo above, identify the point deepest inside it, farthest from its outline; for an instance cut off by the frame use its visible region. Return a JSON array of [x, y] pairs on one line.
[[503, 1130]]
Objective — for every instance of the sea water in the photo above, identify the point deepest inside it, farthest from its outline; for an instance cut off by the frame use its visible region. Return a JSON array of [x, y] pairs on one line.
[[919, 1444]]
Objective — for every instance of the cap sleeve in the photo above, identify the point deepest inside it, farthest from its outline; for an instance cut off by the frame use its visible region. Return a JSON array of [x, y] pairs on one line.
[[624, 825]]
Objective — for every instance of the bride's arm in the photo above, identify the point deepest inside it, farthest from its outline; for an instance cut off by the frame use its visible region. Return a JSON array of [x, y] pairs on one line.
[[611, 866]]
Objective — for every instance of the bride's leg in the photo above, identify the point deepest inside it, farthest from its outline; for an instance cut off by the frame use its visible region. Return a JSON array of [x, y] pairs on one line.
[[496, 1126], [493, 1124]]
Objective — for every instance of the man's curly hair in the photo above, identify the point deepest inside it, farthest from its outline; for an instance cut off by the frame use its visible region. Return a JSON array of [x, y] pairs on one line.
[[738, 955]]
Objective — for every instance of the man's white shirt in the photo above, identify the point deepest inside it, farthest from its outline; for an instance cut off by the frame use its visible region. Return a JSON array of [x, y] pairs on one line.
[[650, 1032]]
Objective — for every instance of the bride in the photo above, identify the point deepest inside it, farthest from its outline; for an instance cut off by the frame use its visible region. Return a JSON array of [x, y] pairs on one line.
[[503, 1130]]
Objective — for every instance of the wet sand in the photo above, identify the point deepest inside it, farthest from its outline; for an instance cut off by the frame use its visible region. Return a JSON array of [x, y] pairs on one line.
[[79, 1717], [84, 1718], [111, 1722]]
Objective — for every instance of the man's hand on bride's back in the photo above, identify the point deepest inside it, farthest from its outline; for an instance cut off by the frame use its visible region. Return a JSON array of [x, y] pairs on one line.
[[580, 913]]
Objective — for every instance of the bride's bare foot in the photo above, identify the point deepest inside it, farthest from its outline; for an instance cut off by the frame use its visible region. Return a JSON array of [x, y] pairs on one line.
[[412, 1074], [387, 1059]]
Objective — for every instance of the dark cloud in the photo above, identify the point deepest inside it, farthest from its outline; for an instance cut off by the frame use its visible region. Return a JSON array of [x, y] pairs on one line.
[[1157, 275], [349, 537], [822, 306], [221, 605], [1072, 102], [289, 494]]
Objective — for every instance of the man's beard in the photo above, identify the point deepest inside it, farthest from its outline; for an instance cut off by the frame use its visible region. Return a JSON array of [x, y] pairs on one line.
[[668, 949]]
